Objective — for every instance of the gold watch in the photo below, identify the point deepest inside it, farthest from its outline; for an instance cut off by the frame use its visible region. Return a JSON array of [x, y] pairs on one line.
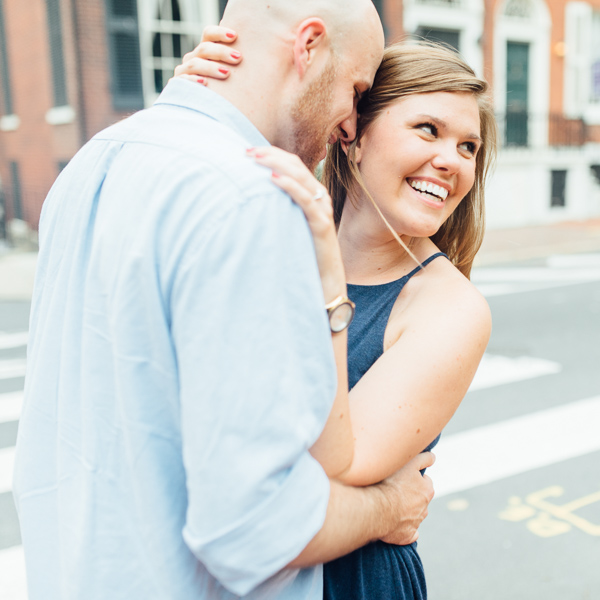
[[340, 312]]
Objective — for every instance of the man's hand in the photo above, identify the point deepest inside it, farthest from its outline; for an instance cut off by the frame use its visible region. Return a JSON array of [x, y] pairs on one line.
[[409, 494]]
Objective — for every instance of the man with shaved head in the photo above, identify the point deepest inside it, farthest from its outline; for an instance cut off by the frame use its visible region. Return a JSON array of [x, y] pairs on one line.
[[180, 364]]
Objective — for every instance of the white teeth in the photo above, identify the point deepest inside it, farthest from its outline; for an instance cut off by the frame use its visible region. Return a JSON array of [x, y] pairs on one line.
[[430, 188]]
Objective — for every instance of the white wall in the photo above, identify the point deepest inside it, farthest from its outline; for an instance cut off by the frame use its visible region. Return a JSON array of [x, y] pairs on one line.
[[518, 193]]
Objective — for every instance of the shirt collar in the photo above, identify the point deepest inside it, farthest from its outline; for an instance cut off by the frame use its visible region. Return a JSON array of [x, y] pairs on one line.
[[194, 96]]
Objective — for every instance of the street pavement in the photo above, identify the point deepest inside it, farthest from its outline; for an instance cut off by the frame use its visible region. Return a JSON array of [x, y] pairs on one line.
[[517, 507]]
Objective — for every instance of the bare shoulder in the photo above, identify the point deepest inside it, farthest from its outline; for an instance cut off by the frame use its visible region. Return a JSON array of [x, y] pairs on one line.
[[444, 295], [440, 298]]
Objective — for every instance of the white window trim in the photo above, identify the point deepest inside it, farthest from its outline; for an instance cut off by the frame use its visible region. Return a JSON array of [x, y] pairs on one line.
[[60, 115], [536, 33], [195, 16], [466, 18], [9, 123], [578, 66]]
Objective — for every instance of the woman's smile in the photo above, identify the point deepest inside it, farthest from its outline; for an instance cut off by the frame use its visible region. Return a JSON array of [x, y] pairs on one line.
[[428, 143]]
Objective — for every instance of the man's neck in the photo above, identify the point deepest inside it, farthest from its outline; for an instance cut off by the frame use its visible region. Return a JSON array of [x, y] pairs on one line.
[[253, 93]]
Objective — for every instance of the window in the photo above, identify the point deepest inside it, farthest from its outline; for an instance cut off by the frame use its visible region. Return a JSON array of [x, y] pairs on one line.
[[456, 24], [17, 201], [169, 42], [124, 46], [449, 37], [558, 188], [6, 105], [595, 58], [57, 59]]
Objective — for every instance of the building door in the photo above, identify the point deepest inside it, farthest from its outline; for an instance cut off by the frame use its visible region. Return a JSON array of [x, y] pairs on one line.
[[517, 94]]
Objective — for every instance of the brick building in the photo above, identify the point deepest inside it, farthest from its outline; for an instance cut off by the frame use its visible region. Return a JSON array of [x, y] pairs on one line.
[[68, 68]]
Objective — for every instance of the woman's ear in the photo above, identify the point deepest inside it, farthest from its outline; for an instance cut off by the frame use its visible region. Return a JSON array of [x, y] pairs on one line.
[[355, 145]]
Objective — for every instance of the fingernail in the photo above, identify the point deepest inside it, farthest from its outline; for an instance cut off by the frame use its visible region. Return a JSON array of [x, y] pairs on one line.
[[235, 54], [223, 70], [275, 175], [250, 150], [200, 80], [230, 35]]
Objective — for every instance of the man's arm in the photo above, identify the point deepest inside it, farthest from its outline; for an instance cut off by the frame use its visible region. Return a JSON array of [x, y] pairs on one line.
[[392, 510]]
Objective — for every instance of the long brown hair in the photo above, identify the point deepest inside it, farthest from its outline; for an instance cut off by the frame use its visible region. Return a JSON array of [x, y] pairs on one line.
[[422, 68]]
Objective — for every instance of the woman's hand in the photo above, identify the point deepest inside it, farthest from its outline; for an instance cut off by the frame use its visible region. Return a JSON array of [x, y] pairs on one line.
[[292, 176], [212, 58]]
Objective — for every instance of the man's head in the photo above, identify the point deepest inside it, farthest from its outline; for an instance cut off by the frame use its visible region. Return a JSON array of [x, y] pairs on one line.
[[306, 64]]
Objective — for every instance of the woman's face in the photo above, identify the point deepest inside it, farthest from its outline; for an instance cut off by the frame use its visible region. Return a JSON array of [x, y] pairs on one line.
[[417, 159]]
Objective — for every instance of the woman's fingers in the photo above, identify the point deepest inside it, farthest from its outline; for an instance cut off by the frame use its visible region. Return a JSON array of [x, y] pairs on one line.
[[193, 78], [216, 33], [202, 68], [214, 51]]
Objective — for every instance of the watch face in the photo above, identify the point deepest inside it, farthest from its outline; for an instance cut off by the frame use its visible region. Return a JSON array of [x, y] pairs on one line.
[[340, 317]]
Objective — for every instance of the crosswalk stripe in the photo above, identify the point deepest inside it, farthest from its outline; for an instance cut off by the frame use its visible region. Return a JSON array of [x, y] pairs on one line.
[[12, 368], [10, 406], [13, 584], [497, 370], [559, 271], [493, 452], [13, 340], [7, 459]]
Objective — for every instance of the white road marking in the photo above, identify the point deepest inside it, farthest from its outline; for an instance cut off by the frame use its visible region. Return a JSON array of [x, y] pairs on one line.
[[487, 454], [10, 406], [7, 459], [12, 368], [574, 260], [13, 584], [498, 370], [560, 270], [13, 340]]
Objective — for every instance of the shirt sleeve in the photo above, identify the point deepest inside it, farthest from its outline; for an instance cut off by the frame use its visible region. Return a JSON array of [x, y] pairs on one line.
[[257, 379]]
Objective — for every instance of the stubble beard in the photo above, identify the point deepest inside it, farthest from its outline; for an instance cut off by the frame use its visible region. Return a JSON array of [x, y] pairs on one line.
[[310, 116]]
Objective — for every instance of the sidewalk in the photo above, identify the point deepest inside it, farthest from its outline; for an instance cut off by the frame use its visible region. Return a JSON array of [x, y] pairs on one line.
[[499, 246], [17, 271], [526, 243]]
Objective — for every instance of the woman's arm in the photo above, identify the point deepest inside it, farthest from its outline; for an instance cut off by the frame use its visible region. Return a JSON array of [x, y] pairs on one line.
[[408, 396]]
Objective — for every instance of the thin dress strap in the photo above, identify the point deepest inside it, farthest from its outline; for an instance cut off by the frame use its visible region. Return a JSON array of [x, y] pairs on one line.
[[425, 263]]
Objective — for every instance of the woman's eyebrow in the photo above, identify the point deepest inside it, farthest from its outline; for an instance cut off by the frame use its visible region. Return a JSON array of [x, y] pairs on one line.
[[444, 125]]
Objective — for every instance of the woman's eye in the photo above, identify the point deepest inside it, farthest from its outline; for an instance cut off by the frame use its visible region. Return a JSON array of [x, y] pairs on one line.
[[428, 128], [470, 147]]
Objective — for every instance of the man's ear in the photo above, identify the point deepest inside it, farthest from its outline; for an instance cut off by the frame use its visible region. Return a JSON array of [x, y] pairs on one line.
[[310, 37]]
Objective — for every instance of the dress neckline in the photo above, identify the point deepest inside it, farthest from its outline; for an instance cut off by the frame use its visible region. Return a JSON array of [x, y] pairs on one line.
[[403, 278]]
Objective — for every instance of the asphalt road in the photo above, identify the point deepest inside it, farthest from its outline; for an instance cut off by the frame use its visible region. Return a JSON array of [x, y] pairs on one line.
[[517, 515], [517, 510]]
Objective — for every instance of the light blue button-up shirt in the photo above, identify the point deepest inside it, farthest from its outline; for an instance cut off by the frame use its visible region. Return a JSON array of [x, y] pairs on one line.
[[179, 369]]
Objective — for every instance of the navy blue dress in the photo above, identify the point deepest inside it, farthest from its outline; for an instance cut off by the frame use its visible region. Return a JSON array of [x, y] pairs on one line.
[[378, 571]]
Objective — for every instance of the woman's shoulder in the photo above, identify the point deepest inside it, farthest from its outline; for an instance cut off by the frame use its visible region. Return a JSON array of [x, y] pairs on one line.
[[438, 295]]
